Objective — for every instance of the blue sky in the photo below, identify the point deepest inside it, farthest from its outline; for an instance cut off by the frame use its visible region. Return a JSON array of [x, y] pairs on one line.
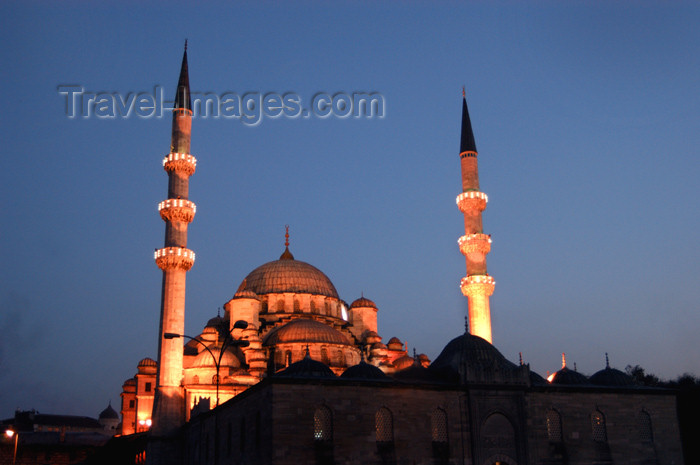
[[586, 116]]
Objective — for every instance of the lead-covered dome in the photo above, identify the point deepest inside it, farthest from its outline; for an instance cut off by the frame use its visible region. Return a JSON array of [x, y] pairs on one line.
[[306, 331], [288, 275]]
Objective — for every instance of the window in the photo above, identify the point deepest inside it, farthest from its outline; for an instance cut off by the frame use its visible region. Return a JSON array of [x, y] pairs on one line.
[[288, 357], [195, 379], [323, 424], [598, 427], [324, 356], [132, 403], [384, 425], [148, 387], [215, 379], [297, 306], [280, 305], [645, 431], [554, 433], [341, 358], [438, 423]]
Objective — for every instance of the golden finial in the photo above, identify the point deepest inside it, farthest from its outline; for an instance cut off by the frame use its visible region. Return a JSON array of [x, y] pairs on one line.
[[286, 235], [464, 93], [563, 360]]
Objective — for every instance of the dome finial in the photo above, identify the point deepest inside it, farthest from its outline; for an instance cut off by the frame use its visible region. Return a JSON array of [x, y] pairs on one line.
[[466, 324], [185, 44], [520, 356], [607, 361], [464, 93], [563, 360], [286, 255]]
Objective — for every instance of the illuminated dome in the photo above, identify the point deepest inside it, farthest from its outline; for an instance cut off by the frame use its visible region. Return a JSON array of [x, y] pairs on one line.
[[404, 362], [569, 377], [306, 331], [205, 359], [288, 275], [148, 362], [363, 302]]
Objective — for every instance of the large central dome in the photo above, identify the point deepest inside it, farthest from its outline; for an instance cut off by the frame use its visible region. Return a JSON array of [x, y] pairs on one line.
[[288, 275]]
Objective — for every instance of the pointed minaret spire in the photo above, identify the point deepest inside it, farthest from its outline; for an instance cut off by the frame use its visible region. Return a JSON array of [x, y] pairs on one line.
[[477, 286], [182, 95], [468, 144]]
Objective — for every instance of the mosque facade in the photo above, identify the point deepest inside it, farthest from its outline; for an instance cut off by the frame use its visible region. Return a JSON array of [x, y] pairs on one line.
[[290, 373]]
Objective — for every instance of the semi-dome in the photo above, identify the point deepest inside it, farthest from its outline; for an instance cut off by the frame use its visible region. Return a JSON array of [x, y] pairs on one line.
[[288, 275], [205, 359], [306, 331]]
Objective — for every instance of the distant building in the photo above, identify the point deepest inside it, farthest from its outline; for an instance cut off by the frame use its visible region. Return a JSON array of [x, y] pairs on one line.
[[32, 438], [291, 374]]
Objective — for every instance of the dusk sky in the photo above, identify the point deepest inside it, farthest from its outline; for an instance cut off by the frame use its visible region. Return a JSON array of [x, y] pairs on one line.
[[587, 121]]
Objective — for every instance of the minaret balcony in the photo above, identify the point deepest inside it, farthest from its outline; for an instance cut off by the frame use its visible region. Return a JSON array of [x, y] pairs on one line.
[[471, 243], [477, 285], [169, 258], [177, 210], [472, 201], [180, 163]]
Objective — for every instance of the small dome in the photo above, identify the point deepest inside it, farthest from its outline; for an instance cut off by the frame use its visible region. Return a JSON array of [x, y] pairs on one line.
[[205, 359], [364, 370], [569, 377], [378, 346], [288, 275], [371, 337], [537, 380], [216, 322], [416, 373], [246, 294], [148, 362], [306, 368], [129, 382], [305, 330], [108, 414], [404, 362], [473, 349], [395, 344], [363, 302], [611, 377]]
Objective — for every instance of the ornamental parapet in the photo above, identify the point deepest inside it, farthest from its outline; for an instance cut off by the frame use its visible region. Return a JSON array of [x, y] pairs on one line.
[[177, 210], [477, 285], [470, 243], [472, 201], [169, 258], [180, 163]]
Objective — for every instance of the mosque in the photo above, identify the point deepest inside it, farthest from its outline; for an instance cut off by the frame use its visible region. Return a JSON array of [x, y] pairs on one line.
[[291, 373]]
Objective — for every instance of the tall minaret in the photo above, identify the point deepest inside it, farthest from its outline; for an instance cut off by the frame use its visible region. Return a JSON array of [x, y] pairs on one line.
[[477, 286], [175, 259]]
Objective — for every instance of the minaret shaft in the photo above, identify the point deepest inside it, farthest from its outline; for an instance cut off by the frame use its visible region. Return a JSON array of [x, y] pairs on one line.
[[477, 286], [175, 260]]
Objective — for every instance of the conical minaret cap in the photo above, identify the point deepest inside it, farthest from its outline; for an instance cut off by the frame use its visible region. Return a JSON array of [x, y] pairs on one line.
[[182, 96], [467, 142]]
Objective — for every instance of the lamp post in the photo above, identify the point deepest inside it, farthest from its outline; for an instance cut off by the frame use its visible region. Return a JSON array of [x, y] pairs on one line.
[[229, 341], [10, 434]]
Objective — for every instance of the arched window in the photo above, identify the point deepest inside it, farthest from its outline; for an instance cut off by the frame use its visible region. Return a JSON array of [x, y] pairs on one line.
[[214, 379], [288, 357], [324, 356], [646, 433], [384, 425], [297, 306], [554, 433], [312, 306], [341, 358], [280, 305], [195, 379], [323, 424], [438, 425], [598, 427]]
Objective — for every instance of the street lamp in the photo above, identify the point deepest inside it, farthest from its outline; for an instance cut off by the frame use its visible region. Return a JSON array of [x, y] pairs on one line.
[[10, 433], [229, 341]]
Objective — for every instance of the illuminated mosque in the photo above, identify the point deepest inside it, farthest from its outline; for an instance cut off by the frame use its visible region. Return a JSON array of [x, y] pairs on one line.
[[290, 373]]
